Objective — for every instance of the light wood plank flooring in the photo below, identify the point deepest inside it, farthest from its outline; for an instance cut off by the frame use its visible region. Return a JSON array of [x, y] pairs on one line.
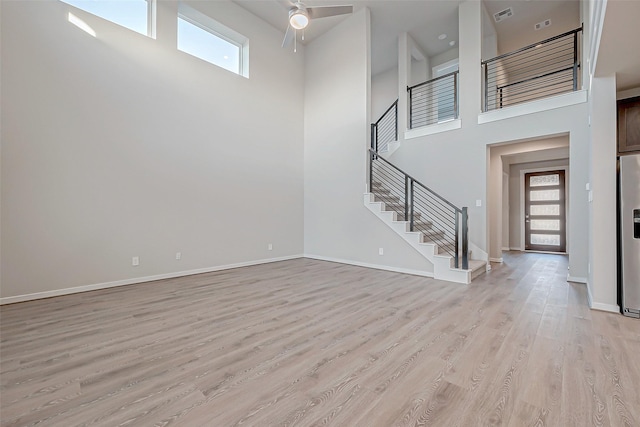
[[311, 343]]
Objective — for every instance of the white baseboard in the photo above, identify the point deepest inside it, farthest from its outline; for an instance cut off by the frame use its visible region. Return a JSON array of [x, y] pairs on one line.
[[577, 279], [124, 282], [605, 307], [500, 260], [516, 249], [376, 266], [505, 248], [596, 305]]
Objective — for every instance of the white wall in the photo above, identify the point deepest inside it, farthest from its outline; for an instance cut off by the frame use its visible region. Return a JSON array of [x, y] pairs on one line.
[[384, 91], [121, 146], [420, 66], [602, 210], [505, 210], [337, 224], [489, 36], [446, 56], [452, 162]]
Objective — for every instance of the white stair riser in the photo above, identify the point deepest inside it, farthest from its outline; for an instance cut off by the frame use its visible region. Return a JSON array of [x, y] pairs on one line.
[[441, 264]]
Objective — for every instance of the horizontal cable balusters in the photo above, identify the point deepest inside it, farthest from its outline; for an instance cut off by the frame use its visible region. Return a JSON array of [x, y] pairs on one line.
[[433, 101], [544, 69], [438, 220]]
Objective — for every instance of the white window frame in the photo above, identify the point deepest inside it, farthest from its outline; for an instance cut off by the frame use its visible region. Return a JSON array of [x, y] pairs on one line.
[[151, 17], [221, 31]]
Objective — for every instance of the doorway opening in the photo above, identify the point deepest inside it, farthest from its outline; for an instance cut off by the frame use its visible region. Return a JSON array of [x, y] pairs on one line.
[[508, 163]]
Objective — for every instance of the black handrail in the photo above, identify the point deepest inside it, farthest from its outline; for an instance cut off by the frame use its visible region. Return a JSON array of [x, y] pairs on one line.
[[418, 182], [433, 80], [534, 66], [395, 103], [532, 46], [437, 216], [385, 129]]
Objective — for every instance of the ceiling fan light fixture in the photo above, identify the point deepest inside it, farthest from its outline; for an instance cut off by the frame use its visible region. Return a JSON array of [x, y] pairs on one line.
[[299, 18]]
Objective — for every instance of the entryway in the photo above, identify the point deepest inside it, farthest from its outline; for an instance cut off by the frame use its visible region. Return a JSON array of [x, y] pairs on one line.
[[545, 211], [528, 201]]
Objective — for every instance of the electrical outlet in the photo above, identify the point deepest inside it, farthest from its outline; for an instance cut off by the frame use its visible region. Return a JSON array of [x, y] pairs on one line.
[[135, 261], [380, 251], [270, 247], [178, 255]]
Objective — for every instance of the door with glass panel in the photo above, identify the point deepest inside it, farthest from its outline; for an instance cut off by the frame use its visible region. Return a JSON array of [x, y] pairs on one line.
[[545, 215]]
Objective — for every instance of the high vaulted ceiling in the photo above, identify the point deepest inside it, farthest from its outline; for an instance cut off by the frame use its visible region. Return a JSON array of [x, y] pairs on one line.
[[424, 20]]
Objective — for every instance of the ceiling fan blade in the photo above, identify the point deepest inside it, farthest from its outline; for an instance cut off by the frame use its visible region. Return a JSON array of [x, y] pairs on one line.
[[288, 36], [324, 11]]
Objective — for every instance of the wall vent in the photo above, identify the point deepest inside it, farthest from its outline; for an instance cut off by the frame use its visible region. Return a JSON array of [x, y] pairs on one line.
[[503, 14], [543, 24]]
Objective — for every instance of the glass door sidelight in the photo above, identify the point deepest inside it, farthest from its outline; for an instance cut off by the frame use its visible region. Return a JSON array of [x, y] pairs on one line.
[[545, 214]]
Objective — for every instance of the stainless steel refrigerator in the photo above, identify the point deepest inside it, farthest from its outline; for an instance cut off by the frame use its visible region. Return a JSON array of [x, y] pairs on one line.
[[629, 234]]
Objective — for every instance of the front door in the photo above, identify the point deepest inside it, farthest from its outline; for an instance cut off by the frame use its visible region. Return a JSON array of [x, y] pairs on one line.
[[545, 214]]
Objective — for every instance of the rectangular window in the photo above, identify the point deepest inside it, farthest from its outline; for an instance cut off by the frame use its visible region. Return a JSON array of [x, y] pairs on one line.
[[135, 15], [204, 38]]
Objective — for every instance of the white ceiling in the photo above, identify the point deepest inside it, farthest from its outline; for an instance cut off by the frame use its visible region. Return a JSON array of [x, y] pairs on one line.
[[621, 31], [424, 20]]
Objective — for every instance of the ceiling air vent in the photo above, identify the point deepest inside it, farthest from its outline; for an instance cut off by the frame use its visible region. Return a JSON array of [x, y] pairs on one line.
[[503, 14], [543, 24]]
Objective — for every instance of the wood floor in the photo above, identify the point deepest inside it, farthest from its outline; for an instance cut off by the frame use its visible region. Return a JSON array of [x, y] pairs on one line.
[[311, 343]]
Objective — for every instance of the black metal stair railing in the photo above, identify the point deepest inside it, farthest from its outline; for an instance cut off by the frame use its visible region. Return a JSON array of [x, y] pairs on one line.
[[385, 130], [543, 69], [433, 101], [439, 220]]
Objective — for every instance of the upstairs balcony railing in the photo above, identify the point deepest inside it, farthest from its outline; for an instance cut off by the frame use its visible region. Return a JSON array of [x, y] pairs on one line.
[[385, 130], [433, 101], [438, 220], [537, 71]]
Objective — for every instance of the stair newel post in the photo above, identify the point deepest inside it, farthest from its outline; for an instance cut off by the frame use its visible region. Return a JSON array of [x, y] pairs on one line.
[[371, 172], [465, 239], [396, 120], [455, 96], [410, 90], [456, 257], [406, 197], [486, 86], [374, 142], [411, 205], [575, 61]]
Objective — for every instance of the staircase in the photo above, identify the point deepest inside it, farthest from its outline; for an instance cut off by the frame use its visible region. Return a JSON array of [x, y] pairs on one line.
[[431, 225]]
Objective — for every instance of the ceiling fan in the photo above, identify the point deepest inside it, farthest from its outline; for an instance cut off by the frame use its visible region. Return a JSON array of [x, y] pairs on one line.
[[300, 16]]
